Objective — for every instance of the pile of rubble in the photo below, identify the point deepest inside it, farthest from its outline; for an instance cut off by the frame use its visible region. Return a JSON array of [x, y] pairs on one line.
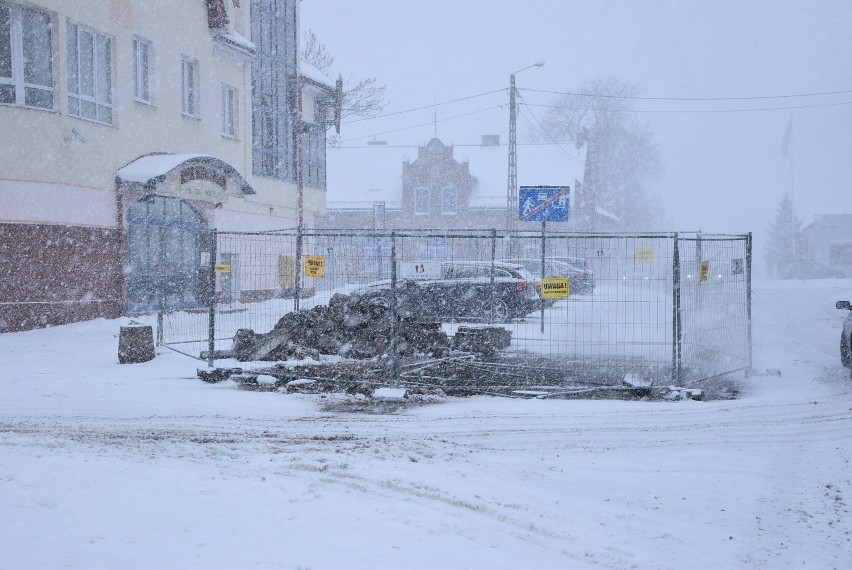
[[353, 326]]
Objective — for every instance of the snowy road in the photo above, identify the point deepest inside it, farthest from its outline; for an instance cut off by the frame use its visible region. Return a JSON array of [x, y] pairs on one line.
[[141, 466]]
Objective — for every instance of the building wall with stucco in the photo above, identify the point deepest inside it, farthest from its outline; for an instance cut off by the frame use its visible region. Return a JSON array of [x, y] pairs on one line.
[[58, 169]]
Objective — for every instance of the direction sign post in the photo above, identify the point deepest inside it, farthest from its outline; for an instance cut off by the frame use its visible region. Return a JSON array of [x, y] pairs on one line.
[[543, 204]]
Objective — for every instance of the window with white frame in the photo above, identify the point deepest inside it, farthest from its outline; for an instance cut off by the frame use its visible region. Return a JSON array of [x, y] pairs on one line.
[[229, 111], [189, 80], [89, 74], [421, 200], [26, 57], [449, 200], [142, 70]]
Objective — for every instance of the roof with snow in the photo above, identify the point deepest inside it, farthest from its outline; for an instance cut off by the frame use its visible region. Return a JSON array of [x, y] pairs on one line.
[[152, 169], [309, 71], [374, 172]]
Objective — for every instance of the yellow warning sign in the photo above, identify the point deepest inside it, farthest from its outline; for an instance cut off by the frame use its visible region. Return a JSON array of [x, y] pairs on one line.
[[314, 266], [555, 288], [223, 267], [705, 269], [643, 255]]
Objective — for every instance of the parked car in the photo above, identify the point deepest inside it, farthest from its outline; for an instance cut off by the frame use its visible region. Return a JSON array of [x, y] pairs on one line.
[[809, 270], [580, 281], [465, 290], [575, 261], [846, 335]]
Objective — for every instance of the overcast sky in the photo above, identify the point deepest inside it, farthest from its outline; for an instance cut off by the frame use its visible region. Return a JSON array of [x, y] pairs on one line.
[[725, 171]]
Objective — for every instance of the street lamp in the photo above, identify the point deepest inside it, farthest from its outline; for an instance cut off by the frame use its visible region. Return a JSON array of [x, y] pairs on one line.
[[512, 192]]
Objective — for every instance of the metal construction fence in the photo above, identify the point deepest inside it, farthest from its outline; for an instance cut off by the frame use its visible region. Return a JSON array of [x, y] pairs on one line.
[[670, 305]]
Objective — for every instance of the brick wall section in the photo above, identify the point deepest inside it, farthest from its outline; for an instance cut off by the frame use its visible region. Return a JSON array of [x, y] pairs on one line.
[[52, 275]]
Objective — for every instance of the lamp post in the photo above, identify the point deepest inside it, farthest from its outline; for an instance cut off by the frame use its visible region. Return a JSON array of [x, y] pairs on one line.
[[512, 191]]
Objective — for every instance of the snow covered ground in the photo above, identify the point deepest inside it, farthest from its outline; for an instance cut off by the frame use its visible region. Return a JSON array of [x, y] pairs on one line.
[[143, 466]]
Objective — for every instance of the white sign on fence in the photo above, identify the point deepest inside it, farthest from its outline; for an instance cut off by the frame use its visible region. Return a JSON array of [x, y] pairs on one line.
[[419, 270]]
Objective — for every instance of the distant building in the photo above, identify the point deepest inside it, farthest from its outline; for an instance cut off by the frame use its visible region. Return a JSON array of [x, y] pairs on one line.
[[130, 126], [828, 241], [444, 187]]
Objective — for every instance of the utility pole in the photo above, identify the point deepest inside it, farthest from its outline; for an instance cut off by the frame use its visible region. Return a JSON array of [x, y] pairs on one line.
[[512, 190]]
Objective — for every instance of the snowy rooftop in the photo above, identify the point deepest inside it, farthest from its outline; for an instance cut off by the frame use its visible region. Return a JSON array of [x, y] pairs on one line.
[[144, 170], [374, 172], [310, 71]]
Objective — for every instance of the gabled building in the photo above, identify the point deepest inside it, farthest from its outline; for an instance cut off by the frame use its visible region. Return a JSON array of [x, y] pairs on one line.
[[459, 187], [132, 126], [828, 241]]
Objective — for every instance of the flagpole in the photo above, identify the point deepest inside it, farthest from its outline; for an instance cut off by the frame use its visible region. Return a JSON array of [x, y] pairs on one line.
[[792, 169], [789, 152]]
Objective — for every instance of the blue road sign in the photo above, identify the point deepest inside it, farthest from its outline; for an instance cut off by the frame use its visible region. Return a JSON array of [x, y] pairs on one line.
[[543, 203]]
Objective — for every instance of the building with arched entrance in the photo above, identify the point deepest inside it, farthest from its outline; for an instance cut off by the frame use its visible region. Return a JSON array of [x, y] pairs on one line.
[[131, 128]]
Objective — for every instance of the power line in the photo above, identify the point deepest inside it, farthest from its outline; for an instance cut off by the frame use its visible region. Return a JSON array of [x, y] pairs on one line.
[[637, 98], [820, 94], [372, 147], [547, 134], [424, 107], [422, 124], [756, 109], [578, 108]]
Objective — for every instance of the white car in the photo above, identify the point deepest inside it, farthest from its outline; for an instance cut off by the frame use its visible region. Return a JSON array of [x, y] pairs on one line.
[[846, 335]]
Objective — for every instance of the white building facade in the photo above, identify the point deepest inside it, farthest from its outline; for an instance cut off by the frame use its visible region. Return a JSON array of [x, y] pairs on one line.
[[129, 127]]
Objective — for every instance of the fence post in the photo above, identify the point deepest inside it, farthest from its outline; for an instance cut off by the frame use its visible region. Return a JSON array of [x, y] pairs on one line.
[[491, 285], [211, 315], [162, 300], [676, 332], [394, 341], [160, 326], [543, 256], [297, 275], [748, 298]]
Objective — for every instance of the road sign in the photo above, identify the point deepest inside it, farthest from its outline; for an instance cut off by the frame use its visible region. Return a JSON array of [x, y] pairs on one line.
[[223, 268], [543, 203]]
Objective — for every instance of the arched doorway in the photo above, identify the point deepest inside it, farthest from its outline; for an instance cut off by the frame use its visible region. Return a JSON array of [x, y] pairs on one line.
[[164, 242]]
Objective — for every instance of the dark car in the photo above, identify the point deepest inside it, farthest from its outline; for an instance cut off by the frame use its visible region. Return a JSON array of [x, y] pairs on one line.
[[809, 270], [846, 335], [467, 290], [580, 281]]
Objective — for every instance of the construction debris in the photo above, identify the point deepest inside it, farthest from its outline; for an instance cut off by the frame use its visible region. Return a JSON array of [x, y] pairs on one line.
[[352, 326]]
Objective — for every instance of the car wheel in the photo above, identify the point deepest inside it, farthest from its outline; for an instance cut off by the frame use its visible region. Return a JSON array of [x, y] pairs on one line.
[[500, 309]]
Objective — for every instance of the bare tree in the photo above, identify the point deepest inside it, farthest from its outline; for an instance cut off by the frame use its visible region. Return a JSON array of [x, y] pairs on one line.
[[363, 97], [621, 156]]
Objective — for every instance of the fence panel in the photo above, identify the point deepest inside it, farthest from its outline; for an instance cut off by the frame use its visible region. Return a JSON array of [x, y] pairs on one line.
[[636, 304], [715, 312]]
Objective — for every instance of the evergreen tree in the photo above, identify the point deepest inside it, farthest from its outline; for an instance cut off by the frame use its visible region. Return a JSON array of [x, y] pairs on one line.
[[783, 246]]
